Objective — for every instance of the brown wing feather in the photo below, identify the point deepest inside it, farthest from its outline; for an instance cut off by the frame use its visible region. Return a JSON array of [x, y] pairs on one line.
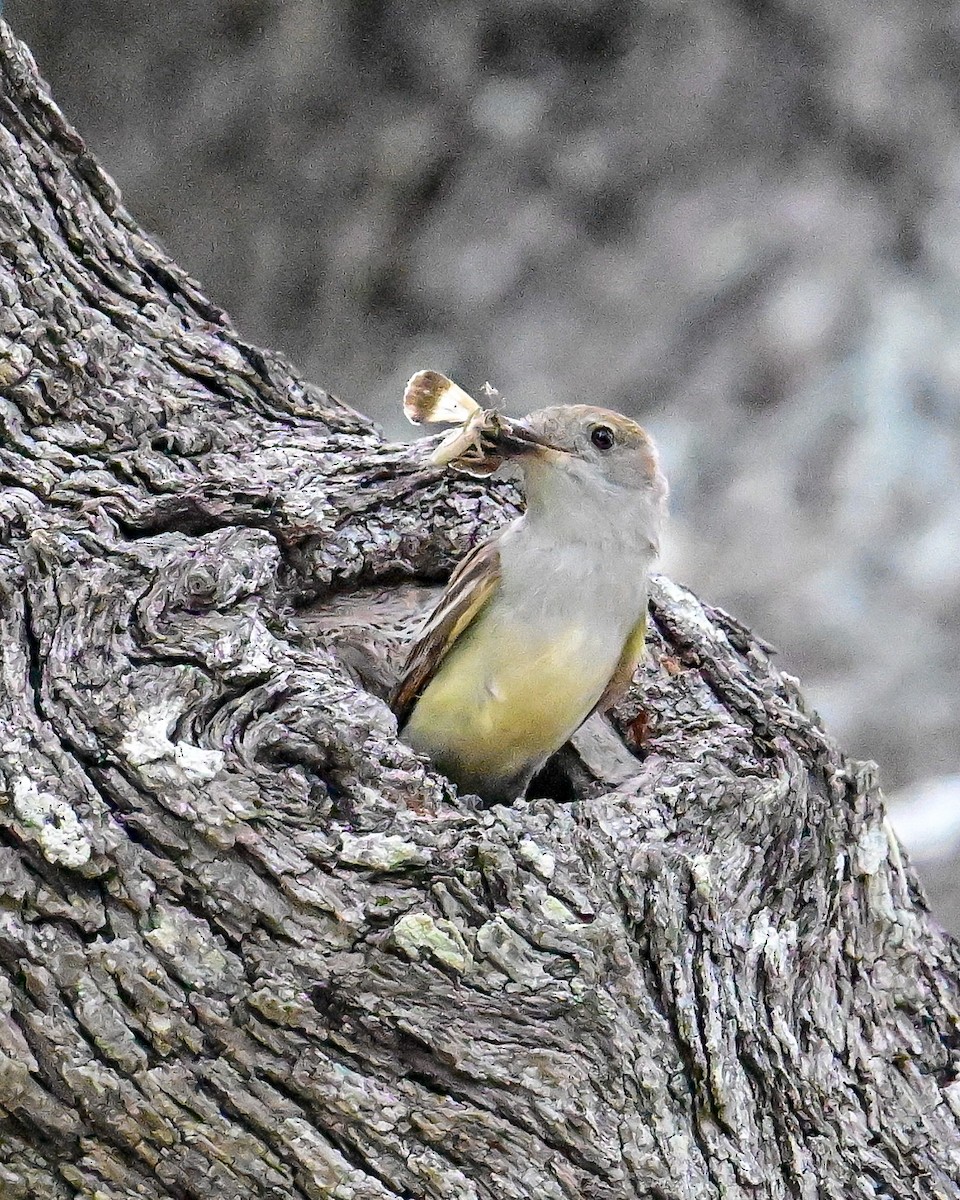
[[470, 587], [629, 661]]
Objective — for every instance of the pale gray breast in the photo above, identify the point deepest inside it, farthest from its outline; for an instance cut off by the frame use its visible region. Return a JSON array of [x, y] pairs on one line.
[[600, 584]]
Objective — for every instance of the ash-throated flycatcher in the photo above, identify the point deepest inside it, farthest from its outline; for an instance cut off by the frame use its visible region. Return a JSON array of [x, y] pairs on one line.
[[544, 623]]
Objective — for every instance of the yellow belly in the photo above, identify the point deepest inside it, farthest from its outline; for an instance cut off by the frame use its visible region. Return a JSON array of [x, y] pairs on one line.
[[505, 699]]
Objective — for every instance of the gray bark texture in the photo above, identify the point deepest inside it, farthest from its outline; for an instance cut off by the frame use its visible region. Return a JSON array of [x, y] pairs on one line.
[[250, 946]]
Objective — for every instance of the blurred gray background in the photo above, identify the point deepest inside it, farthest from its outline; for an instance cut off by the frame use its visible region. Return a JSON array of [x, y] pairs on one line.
[[738, 222]]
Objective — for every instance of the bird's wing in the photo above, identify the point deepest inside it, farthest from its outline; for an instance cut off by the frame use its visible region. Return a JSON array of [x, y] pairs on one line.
[[630, 658], [470, 587]]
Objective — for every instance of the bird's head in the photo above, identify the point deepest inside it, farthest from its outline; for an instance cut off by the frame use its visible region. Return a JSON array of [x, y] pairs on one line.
[[586, 462], [592, 448], [596, 445]]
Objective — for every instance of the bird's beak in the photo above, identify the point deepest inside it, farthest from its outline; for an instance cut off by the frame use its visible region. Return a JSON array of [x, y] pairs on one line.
[[487, 440], [515, 438]]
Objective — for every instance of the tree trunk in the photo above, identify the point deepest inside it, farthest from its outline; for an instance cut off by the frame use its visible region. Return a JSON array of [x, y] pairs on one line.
[[250, 946]]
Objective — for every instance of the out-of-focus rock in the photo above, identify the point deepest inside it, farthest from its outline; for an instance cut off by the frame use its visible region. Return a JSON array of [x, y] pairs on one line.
[[926, 818]]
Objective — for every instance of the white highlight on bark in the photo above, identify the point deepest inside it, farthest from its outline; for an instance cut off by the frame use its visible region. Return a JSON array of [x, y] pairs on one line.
[[58, 830], [689, 608], [383, 852], [246, 650], [952, 1095], [147, 743], [419, 936], [776, 943], [542, 861], [871, 850]]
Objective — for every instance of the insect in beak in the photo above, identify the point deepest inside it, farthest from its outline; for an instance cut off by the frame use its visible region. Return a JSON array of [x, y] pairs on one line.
[[483, 439]]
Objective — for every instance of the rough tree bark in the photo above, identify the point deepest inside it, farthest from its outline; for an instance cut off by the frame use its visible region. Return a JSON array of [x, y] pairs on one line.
[[251, 947]]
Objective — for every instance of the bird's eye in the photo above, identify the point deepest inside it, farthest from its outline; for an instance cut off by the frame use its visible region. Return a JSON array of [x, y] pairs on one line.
[[602, 437]]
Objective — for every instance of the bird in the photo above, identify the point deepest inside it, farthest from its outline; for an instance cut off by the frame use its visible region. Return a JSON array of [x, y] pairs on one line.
[[543, 623]]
